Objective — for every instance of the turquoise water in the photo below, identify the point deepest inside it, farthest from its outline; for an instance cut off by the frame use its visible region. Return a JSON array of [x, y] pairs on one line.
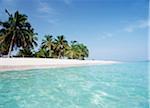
[[122, 85]]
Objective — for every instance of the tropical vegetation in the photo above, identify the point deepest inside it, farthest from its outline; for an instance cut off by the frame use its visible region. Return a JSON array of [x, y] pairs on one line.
[[17, 34]]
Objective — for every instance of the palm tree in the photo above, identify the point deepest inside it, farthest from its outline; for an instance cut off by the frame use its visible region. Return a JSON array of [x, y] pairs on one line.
[[77, 51], [42, 53], [84, 52], [73, 51], [60, 46], [17, 32], [48, 44]]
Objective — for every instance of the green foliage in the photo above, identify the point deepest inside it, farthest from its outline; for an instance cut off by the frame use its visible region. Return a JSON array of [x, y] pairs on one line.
[[42, 53], [17, 32], [3, 49], [60, 48], [48, 44], [25, 53], [77, 51]]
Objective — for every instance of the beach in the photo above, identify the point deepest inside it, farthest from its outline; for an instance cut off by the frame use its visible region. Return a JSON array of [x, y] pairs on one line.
[[9, 64]]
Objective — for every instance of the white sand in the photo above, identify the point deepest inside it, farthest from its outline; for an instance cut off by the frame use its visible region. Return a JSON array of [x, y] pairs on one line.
[[34, 63]]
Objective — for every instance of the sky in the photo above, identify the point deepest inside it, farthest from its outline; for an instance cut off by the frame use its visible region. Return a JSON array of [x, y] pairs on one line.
[[111, 29]]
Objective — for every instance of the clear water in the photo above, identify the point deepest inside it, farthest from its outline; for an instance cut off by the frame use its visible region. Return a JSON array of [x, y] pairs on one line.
[[104, 86]]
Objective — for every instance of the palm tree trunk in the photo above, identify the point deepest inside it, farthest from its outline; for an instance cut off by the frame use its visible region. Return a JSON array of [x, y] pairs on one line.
[[59, 56], [10, 47], [50, 54]]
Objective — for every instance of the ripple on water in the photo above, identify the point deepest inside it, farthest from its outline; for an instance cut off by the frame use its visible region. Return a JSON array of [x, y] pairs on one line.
[[105, 86]]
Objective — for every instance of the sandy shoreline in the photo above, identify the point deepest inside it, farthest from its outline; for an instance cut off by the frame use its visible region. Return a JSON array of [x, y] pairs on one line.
[[8, 64]]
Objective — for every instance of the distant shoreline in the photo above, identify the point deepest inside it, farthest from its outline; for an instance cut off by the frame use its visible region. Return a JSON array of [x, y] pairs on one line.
[[10, 64]]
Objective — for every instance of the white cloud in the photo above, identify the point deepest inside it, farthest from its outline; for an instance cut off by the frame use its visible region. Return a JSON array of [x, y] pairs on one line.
[[47, 13], [53, 21], [129, 29], [67, 2], [7, 1], [45, 8], [108, 34], [143, 24], [105, 35], [140, 24]]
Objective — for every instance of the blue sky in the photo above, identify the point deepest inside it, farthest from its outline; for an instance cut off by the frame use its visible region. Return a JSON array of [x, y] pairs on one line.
[[112, 29]]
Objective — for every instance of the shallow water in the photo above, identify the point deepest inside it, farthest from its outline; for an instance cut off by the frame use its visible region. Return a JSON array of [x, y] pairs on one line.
[[122, 85]]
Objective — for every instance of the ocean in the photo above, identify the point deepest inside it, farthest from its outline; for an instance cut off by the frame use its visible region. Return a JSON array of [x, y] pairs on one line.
[[123, 85]]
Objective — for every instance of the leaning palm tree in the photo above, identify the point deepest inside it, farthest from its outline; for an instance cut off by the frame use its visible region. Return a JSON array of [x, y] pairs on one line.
[[60, 46], [17, 32], [48, 44]]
